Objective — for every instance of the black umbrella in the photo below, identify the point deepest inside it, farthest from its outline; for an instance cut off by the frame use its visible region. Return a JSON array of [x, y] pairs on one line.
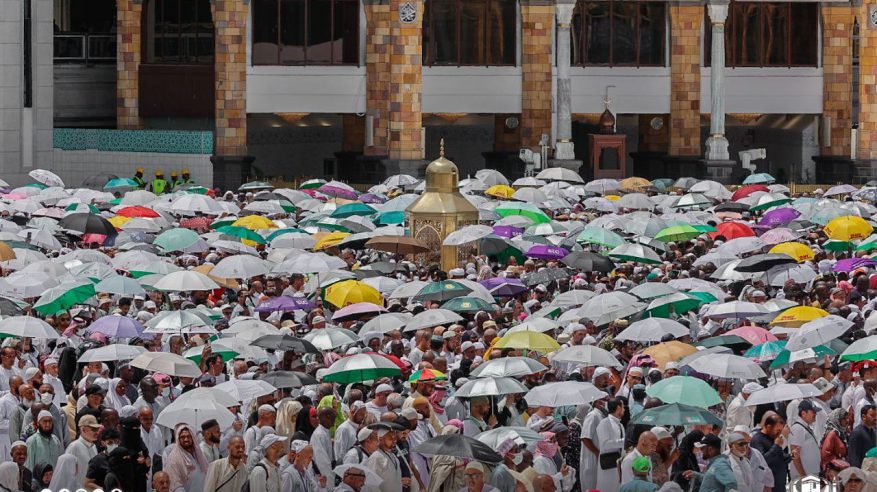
[[545, 277], [588, 262], [288, 379], [459, 446], [732, 207], [87, 223], [286, 342], [97, 181], [734, 342], [761, 263], [11, 307]]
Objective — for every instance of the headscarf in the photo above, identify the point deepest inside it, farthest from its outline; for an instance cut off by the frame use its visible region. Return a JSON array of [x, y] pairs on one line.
[[287, 415], [64, 476], [121, 464], [485, 273], [833, 424], [39, 470], [303, 421], [328, 402], [182, 459], [9, 477], [435, 400], [113, 399], [545, 447]]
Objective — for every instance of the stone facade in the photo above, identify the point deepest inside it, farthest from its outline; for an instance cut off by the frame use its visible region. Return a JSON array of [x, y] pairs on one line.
[[537, 26], [406, 82], [867, 84], [837, 79], [128, 64], [377, 69], [230, 24], [686, 22]]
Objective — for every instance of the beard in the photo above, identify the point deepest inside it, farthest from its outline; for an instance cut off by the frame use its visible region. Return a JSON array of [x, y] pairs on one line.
[[45, 433], [214, 439]]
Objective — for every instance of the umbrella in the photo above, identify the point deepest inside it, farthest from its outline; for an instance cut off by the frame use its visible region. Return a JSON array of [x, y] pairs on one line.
[[357, 310], [600, 236], [403, 245], [861, 349], [174, 321], [799, 251], [572, 298], [177, 239], [284, 342], [545, 276], [426, 375], [508, 367], [636, 253], [588, 355], [467, 234], [565, 393], [527, 340], [820, 331], [490, 386], [27, 326], [547, 252], [360, 367], [351, 292], [47, 178], [384, 323], [459, 446], [500, 191], [240, 267], [496, 436], [678, 303], [431, 318], [288, 379], [848, 228], [467, 305], [732, 230], [185, 280], [736, 309], [671, 351], [760, 263], [116, 326], [652, 330], [782, 392], [753, 334], [745, 191], [652, 290], [560, 174], [682, 232], [727, 366], [123, 286], [167, 363], [758, 178], [588, 262], [677, 414], [198, 406], [331, 338], [778, 217], [441, 291], [111, 353], [685, 389], [246, 389], [523, 209], [87, 223], [504, 287], [64, 296], [797, 316]]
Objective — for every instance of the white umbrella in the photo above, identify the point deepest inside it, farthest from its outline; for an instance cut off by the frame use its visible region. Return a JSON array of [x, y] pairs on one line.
[[240, 266], [26, 285], [637, 201], [818, 332], [384, 323], [191, 203], [125, 286], [113, 352], [860, 347], [384, 285], [565, 393], [174, 321], [138, 197], [560, 174], [782, 392], [741, 245], [310, 263], [246, 389], [541, 325], [652, 330], [491, 177], [408, 289], [727, 366], [198, 406], [602, 186], [635, 251], [47, 178], [431, 318], [490, 386], [331, 338], [521, 435], [27, 326], [588, 355], [185, 280], [294, 240], [736, 309], [467, 234], [530, 195], [573, 298], [167, 363], [780, 274], [41, 238], [508, 367]]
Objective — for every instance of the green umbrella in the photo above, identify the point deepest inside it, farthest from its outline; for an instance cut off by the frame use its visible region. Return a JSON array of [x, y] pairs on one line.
[[216, 224], [351, 209], [280, 232], [468, 305], [360, 367], [685, 389], [242, 233], [773, 203], [704, 228], [390, 218], [157, 267], [177, 239], [441, 291], [597, 235], [872, 453], [722, 341], [35, 185], [674, 233], [119, 184], [766, 351], [64, 297], [74, 207], [331, 224], [706, 297], [527, 210], [839, 246], [194, 353], [196, 190], [784, 357], [312, 184], [677, 303], [677, 414]]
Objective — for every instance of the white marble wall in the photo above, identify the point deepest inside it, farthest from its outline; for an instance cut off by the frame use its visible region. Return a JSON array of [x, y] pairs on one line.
[[75, 165]]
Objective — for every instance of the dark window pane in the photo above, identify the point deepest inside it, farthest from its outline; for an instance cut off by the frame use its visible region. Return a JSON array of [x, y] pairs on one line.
[[266, 49], [444, 32], [577, 33], [624, 33], [346, 27], [292, 32], [599, 33], [319, 32], [776, 21], [473, 30], [747, 28], [805, 34], [503, 32], [651, 34]]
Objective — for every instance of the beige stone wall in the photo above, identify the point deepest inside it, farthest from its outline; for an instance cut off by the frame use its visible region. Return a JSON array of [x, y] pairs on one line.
[[537, 21], [128, 65], [837, 69], [230, 23], [377, 70], [686, 23], [406, 84]]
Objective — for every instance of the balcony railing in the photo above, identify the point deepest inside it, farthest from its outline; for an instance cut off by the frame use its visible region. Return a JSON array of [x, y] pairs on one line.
[[85, 48]]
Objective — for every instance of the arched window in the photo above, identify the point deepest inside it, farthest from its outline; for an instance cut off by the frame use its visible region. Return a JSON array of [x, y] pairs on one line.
[[619, 33], [469, 32]]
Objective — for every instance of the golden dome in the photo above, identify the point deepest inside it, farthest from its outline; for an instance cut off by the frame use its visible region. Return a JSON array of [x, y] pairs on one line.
[[442, 174], [442, 195]]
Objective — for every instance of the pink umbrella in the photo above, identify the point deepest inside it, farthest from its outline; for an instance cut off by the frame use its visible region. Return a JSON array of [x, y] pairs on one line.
[[753, 334], [357, 310], [15, 196], [779, 235]]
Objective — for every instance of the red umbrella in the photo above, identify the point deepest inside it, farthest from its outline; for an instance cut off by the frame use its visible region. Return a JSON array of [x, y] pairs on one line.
[[200, 224], [138, 211], [395, 360], [748, 190], [732, 230]]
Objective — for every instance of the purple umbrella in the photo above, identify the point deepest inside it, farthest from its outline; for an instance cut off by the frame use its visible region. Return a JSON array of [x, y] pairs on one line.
[[507, 231], [337, 191], [779, 217], [285, 303], [547, 252], [504, 287], [850, 264], [372, 198], [116, 326]]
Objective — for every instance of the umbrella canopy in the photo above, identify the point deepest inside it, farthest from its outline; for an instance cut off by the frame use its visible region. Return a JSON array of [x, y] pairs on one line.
[[198, 406], [797, 316], [861, 349], [459, 446], [490, 386], [87, 223], [820, 331], [27, 326], [528, 340], [167, 363], [185, 280], [113, 352], [398, 245], [670, 351], [240, 267], [685, 389], [64, 296], [360, 367], [508, 367], [442, 291], [563, 394], [782, 392], [431, 318], [331, 338], [116, 326], [287, 379], [677, 414], [652, 330], [848, 228], [245, 390], [727, 366], [588, 355], [636, 253], [496, 436]]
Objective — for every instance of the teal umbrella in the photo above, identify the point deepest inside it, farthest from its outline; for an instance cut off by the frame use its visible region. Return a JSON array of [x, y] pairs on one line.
[[64, 297], [677, 303], [766, 351], [441, 291], [390, 218], [351, 209], [600, 236], [759, 178], [527, 210], [685, 389], [176, 239], [120, 184], [786, 357], [468, 305], [280, 232], [242, 233], [677, 414]]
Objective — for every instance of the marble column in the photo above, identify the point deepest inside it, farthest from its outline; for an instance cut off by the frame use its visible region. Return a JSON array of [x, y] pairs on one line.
[[564, 148], [717, 144]]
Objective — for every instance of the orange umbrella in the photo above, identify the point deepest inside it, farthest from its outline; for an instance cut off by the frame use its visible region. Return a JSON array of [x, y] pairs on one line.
[[670, 351]]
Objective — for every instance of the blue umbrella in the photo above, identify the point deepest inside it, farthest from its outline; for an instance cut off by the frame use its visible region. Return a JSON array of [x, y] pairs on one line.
[[115, 326], [759, 178]]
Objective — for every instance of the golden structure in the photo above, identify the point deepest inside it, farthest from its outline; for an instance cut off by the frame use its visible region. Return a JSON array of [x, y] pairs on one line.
[[441, 210]]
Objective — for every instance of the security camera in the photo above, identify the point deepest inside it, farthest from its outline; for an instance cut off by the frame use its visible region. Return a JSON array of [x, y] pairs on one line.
[[747, 156]]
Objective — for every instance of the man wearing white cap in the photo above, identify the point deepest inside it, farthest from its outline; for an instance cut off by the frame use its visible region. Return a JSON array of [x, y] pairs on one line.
[[299, 476], [266, 416], [738, 413], [345, 434], [385, 463], [475, 475], [738, 450], [588, 459], [378, 405], [265, 475], [51, 377], [761, 474], [366, 445]]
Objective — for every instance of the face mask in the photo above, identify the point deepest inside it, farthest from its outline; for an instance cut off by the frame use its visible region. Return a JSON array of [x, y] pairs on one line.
[[47, 398], [111, 447], [165, 392], [518, 459]]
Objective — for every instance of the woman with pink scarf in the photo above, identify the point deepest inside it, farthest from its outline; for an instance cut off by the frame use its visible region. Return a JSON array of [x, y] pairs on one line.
[[544, 463]]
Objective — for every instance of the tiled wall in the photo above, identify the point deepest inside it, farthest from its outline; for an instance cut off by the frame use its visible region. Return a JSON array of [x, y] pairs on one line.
[[537, 23], [686, 22], [128, 64], [837, 76], [230, 23]]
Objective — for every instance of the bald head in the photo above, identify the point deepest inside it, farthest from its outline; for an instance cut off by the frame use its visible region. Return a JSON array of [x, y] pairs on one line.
[[647, 443], [543, 483]]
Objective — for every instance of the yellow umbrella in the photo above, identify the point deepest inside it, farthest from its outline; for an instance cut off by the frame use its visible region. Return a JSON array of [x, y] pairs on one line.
[[798, 251], [634, 184], [528, 340], [119, 220], [255, 222], [797, 316], [612, 198], [329, 240], [500, 191], [670, 351], [848, 228], [6, 252], [350, 292], [228, 283]]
